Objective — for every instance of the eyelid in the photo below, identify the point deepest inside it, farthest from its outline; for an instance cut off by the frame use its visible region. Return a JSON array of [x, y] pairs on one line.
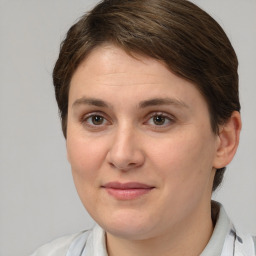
[[94, 113], [170, 117], [161, 113], [85, 117], [107, 119]]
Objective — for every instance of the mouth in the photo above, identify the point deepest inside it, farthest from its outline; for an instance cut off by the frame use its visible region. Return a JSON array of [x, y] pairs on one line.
[[127, 191]]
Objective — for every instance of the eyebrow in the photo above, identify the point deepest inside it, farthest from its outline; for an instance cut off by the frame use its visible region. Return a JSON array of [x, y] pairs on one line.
[[163, 101], [90, 101], [143, 104]]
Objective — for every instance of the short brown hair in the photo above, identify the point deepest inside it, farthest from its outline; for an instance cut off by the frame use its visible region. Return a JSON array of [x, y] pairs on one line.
[[177, 32]]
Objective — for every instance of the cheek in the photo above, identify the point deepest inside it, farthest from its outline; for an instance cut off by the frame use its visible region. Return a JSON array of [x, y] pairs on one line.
[[185, 169], [85, 157], [185, 161]]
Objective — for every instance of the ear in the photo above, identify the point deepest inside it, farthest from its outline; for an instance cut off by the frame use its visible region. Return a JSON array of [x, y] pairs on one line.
[[228, 140]]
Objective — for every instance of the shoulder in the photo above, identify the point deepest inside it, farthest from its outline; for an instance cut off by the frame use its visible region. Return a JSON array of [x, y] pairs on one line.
[[254, 241], [246, 244], [60, 246]]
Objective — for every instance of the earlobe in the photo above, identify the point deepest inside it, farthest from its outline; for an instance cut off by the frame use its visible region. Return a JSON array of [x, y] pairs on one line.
[[228, 140]]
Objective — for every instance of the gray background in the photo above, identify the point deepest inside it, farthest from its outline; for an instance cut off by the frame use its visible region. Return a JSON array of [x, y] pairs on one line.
[[37, 197]]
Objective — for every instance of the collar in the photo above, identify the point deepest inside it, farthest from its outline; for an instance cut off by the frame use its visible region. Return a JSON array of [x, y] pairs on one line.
[[221, 229], [224, 240]]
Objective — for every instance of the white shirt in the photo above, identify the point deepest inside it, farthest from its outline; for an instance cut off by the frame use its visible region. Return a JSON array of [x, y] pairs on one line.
[[225, 241]]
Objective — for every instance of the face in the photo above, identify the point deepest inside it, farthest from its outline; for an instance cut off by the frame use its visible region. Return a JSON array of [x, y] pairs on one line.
[[140, 144]]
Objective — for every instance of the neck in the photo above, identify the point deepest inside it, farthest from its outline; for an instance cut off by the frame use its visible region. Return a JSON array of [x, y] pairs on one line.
[[188, 238]]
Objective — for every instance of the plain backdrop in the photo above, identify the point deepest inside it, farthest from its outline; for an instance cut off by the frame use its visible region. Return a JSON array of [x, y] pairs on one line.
[[38, 201]]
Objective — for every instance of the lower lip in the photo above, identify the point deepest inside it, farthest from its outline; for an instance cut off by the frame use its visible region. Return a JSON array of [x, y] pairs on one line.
[[128, 194]]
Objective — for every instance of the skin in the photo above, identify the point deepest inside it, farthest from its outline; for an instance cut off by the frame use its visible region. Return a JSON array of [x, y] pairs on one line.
[[118, 132]]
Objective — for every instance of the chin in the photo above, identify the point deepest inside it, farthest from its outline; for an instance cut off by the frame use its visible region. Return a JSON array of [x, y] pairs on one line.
[[127, 225], [128, 232]]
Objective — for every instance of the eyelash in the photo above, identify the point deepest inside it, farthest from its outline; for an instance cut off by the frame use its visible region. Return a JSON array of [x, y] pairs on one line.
[[166, 117], [170, 119], [84, 120]]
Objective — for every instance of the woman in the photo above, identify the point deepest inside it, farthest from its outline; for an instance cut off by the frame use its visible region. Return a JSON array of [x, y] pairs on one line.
[[148, 97]]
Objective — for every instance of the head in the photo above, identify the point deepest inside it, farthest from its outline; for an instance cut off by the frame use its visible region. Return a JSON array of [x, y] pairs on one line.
[[177, 33], [148, 96]]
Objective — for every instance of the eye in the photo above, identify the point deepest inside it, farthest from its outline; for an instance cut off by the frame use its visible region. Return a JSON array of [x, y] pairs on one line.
[[94, 120], [160, 119]]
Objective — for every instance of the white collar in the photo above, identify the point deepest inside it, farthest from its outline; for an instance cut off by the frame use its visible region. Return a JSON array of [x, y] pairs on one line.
[[225, 241]]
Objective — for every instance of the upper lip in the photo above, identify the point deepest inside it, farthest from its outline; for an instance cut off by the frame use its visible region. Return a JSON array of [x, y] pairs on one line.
[[127, 185]]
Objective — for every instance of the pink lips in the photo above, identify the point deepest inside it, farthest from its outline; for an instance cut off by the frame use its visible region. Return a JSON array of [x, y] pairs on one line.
[[127, 191]]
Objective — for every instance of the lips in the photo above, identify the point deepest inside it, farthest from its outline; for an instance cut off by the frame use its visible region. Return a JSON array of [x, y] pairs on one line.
[[127, 191]]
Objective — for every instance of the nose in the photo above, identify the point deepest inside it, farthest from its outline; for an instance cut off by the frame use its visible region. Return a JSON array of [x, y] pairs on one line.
[[125, 152]]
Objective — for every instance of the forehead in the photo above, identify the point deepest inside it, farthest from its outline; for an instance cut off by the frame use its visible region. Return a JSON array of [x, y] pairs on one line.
[[110, 60], [109, 70]]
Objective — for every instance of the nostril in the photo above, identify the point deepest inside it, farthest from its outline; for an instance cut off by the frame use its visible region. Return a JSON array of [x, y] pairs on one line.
[[125, 156], [126, 167]]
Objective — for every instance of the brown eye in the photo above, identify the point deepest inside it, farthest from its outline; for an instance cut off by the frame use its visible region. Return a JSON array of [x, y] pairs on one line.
[[96, 120], [159, 120]]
